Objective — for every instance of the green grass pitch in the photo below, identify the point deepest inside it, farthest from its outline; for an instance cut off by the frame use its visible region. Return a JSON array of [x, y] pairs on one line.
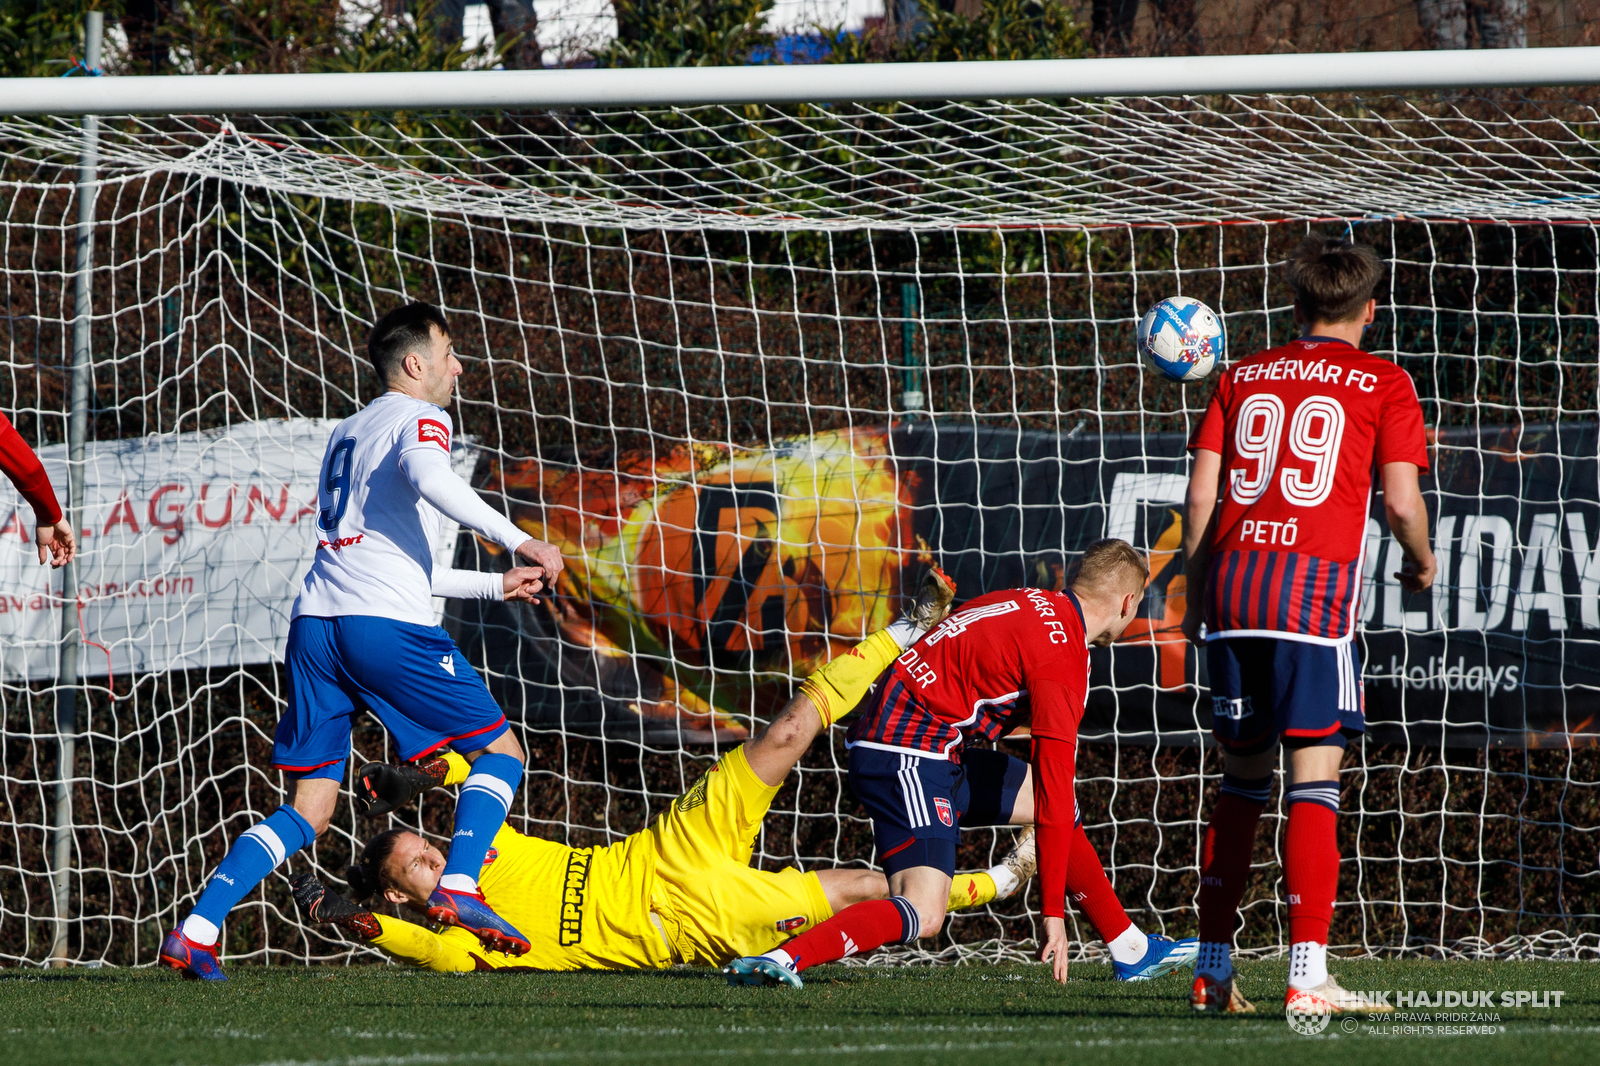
[[976, 1015]]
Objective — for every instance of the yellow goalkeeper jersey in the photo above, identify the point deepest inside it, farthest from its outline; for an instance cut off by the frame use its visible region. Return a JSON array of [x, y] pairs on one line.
[[680, 891], [580, 908]]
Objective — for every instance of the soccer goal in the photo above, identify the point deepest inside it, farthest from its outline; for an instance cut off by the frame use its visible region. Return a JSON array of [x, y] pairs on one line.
[[753, 367]]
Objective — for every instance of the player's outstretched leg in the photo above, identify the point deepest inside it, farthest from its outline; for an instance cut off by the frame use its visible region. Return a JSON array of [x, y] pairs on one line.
[[1135, 955], [857, 929], [482, 806], [834, 689], [1224, 869], [191, 949]]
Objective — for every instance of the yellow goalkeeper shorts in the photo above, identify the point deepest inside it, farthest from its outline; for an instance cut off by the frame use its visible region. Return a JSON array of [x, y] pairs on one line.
[[712, 905]]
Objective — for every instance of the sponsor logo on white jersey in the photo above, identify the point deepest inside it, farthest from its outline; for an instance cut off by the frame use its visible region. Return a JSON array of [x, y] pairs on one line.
[[429, 429]]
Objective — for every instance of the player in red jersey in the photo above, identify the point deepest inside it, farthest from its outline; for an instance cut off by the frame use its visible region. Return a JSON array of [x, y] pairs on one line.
[[52, 533], [1004, 658], [1274, 534]]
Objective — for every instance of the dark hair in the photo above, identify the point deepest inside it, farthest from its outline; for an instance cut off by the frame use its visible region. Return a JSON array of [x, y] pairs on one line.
[[366, 879], [1112, 565], [401, 332], [1333, 279]]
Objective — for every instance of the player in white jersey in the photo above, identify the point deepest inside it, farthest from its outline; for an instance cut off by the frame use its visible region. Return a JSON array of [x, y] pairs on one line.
[[362, 635]]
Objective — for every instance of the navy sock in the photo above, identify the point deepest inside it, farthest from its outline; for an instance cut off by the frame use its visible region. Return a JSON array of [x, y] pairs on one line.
[[485, 799], [910, 920], [258, 852], [1322, 793]]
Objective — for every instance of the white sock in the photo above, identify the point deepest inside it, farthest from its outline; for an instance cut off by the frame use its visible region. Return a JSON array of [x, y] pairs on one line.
[[458, 883], [1308, 965], [199, 930], [1130, 947], [781, 957], [1005, 882], [1215, 960], [905, 632]]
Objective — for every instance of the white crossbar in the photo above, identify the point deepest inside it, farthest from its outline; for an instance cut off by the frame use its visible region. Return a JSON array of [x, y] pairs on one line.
[[476, 90]]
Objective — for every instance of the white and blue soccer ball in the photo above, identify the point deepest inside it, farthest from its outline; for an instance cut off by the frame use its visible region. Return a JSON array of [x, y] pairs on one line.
[[1182, 338]]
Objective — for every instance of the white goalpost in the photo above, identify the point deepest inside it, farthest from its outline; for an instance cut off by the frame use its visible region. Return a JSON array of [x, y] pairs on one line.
[[754, 347]]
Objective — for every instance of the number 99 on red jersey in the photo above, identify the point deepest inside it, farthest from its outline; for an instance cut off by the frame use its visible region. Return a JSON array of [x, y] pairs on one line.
[[1300, 429]]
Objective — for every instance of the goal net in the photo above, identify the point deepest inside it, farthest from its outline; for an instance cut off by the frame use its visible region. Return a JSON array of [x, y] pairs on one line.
[[753, 370]]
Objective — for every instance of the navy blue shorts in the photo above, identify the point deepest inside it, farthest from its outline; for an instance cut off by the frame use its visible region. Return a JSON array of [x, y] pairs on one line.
[[918, 804], [413, 678], [1264, 689]]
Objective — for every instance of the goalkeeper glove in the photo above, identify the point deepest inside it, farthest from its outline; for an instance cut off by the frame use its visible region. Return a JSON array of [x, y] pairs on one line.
[[383, 787], [320, 905]]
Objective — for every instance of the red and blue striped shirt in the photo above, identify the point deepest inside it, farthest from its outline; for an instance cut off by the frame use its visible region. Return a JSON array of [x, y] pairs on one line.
[[1003, 658], [1299, 429]]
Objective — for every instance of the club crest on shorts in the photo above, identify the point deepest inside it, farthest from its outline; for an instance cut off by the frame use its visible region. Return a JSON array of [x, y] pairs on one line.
[[789, 925], [942, 805]]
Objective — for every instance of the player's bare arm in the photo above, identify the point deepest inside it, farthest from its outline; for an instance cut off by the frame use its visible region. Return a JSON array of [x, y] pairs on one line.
[[1408, 521], [1199, 518]]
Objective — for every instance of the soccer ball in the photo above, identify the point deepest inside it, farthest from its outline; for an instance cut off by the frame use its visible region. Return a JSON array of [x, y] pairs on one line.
[[1182, 338]]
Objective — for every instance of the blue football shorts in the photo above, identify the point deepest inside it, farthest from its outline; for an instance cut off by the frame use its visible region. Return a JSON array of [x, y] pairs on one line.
[[1264, 690], [412, 677], [919, 805]]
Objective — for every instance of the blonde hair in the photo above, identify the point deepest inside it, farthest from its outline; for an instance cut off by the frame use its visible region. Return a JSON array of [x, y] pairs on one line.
[[1112, 567]]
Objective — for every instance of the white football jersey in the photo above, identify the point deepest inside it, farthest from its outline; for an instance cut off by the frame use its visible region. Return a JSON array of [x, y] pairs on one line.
[[375, 531]]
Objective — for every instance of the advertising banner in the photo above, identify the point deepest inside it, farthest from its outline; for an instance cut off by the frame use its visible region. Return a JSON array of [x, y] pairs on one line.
[[702, 581], [193, 549]]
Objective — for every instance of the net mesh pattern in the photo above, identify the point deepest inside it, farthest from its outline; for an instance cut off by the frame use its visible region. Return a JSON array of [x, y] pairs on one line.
[[651, 302]]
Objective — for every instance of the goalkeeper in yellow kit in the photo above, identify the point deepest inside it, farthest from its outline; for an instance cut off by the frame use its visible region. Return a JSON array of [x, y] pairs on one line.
[[679, 891]]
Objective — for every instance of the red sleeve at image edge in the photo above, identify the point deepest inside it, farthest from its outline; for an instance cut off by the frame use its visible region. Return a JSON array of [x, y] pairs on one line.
[[22, 466]]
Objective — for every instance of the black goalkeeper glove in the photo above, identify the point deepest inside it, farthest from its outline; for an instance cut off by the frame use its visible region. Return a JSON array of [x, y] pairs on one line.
[[321, 905], [383, 787]]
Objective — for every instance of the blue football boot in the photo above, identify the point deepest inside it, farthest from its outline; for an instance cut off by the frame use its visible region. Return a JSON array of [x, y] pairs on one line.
[[1162, 955], [759, 970], [197, 962], [470, 911]]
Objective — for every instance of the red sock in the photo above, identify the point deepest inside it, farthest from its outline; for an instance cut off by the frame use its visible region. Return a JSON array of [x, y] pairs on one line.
[[1091, 892], [1311, 868], [859, 928], [1225, 865]]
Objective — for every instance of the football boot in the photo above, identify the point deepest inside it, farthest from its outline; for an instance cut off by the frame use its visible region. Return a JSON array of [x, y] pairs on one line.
[[760, 970], [196, 962], [1330, 998], [934, 597], [1162, 955], [470, 911], [1022, 860], [1212, 995]]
